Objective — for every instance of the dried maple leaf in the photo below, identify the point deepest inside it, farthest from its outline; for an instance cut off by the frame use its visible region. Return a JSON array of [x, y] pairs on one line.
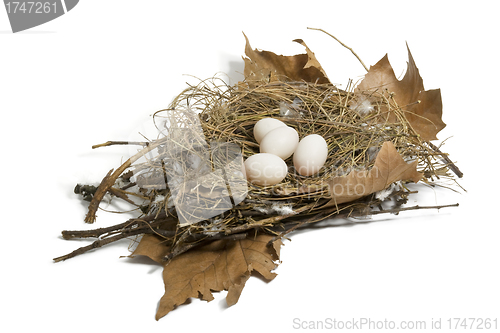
[[422, 108], [151, 246], [389, 167], [220, 265], [268, 66]]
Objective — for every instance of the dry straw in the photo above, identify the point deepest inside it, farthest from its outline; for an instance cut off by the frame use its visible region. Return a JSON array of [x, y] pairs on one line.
[[355, 125]]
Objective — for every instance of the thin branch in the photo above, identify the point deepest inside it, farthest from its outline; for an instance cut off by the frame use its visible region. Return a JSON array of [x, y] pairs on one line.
[[112, 234], [112, 143], [187, 246], [322, 216], [347, 47], [392, 210], [451, 165], [99, 243], [111, 178], [70, 234]]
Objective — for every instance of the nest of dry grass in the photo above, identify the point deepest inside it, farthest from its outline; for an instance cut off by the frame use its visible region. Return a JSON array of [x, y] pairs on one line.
[[210, 113], [188, 182]]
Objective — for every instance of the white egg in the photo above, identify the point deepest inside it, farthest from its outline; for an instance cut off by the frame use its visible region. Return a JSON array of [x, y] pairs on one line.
[[265, 169], [310, 155], [264, 126], [281, 141]]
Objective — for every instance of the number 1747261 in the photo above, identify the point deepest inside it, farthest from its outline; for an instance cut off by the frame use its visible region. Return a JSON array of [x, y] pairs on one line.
[[31, 7]]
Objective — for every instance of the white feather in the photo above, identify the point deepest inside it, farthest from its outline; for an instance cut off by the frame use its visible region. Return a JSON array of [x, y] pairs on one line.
[[362, 106]]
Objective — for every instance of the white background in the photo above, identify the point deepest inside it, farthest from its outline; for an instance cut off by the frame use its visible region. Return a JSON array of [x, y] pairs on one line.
[[99, 72]]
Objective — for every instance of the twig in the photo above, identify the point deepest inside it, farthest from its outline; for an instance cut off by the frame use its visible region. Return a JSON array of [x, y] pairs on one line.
[[133, 222], [267, 221], [385, 211], [322, 217], [402, 209], [347, 47], [99, 243], [110, 179], [112, 143], [122, 230], [451, 165], [187, 246]]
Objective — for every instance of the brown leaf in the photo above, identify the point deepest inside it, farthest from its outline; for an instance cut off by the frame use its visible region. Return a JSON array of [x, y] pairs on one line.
[[277, 246], [311, 58], [219, 265], [389, 167], [151, 246], [424, 117], [270, 67]]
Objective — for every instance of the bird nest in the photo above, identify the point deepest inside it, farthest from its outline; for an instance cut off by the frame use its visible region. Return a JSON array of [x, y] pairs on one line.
[[189, 185]]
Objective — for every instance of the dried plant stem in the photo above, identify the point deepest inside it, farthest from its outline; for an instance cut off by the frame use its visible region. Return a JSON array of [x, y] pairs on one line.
[[111, 178], [136, 226], [321, 216], [112, 143], [268, 221], [99, 243], [403, 209], [347, 47], [187, 246], [134, 222], [450, 164]]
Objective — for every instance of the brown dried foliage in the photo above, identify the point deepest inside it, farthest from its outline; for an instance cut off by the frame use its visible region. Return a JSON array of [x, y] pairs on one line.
[[422, 108], [216, 266], [270, 67], [389, 168], [196, 262]]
